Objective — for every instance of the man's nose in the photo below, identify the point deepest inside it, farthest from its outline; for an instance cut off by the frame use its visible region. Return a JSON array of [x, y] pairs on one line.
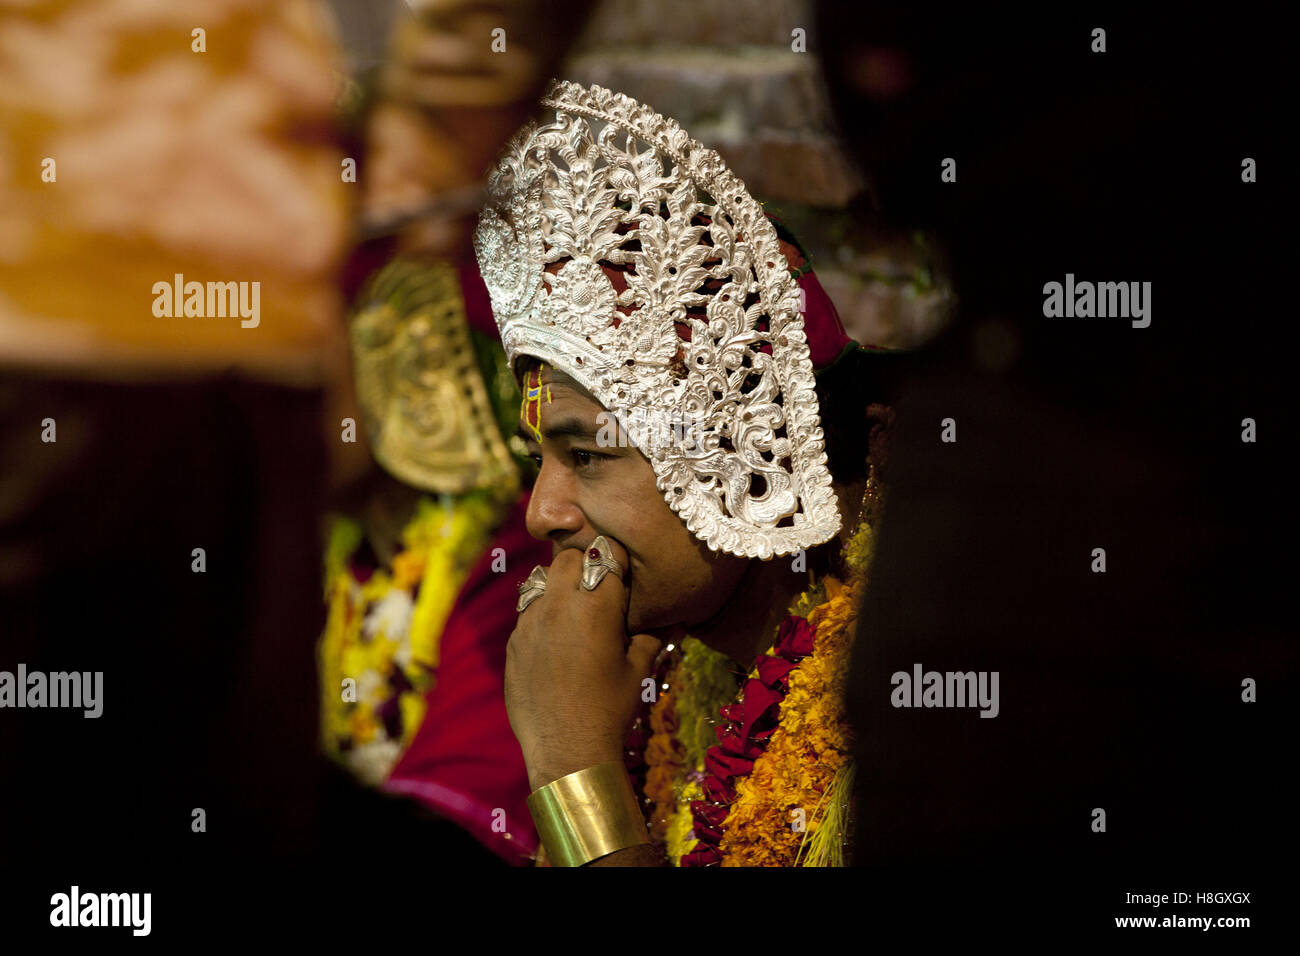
[[553, 511]]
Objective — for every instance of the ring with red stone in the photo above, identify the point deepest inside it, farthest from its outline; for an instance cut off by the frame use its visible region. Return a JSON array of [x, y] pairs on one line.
[[597, 562], [532, 588]]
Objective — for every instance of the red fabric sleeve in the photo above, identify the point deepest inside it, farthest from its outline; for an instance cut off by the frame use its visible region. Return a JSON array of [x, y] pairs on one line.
[[464, 762]]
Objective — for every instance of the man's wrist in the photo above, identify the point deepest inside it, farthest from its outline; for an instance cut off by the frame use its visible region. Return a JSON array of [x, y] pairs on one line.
[[552, 770]]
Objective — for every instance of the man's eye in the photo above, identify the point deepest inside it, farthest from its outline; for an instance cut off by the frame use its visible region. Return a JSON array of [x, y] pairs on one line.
[[581, 457], [584, 458]]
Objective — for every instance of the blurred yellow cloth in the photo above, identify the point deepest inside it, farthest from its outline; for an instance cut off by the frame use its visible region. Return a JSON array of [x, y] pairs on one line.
[[219, 165]]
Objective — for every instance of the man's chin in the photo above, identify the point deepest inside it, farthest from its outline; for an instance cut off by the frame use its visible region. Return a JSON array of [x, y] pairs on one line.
[[668, 633]]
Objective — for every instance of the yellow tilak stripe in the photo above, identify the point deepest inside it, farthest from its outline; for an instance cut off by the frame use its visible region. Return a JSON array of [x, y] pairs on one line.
[[533, 393]]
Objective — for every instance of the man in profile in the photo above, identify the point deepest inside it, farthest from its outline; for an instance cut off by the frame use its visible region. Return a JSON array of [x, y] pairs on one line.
[[630, 272]]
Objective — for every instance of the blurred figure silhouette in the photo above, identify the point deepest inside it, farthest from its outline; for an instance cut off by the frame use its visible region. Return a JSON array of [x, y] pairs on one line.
[[1120, 690]]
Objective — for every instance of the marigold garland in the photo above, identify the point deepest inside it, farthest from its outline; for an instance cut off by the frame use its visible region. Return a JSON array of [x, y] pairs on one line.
[[776, 805], [383, 631], [699, 681], [770, 783]]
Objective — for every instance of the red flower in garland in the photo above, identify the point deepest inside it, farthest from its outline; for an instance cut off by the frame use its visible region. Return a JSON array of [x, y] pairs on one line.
[[772, 670], [743, 736], [795, 639]]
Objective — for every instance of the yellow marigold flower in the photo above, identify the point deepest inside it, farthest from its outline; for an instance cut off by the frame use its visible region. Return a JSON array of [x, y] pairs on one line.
[[408, 568], [362, 726], [662, 749], [352, 661], [413, 707], [681, 824], [344, 536]]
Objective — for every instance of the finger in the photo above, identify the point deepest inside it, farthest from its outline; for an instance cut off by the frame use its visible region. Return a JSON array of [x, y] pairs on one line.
[[538, 597], [606, 602], [641, 653], [620, 554], [601, 565], [567, 567], [625, 562], [565, 573]]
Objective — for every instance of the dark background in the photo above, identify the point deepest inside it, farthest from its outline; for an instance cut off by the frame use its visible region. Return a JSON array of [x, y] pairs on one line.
[[1119, 690]]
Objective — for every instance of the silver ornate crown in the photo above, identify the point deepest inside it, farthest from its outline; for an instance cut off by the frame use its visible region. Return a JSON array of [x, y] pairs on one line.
[[706, 327]]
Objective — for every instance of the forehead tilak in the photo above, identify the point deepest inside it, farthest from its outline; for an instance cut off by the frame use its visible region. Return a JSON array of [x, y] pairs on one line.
[[530, 409]]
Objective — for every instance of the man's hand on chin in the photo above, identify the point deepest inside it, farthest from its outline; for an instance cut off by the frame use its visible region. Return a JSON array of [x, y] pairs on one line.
[[573, 675]]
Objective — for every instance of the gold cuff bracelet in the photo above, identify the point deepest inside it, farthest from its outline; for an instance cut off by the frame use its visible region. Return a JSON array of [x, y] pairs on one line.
[[588, 814]]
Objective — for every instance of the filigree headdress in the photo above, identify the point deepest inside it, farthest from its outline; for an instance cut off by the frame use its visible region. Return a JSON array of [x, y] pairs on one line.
[[625, 254]]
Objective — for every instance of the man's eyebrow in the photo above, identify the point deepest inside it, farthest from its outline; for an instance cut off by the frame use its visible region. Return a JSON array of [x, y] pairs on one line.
[[568, 427]]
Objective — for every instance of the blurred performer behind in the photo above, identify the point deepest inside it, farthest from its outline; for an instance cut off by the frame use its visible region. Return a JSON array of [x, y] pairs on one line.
[[421, 582]]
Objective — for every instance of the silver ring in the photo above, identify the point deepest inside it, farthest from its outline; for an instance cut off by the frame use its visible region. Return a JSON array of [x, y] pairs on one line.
[[534, 586], [597, 562]]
